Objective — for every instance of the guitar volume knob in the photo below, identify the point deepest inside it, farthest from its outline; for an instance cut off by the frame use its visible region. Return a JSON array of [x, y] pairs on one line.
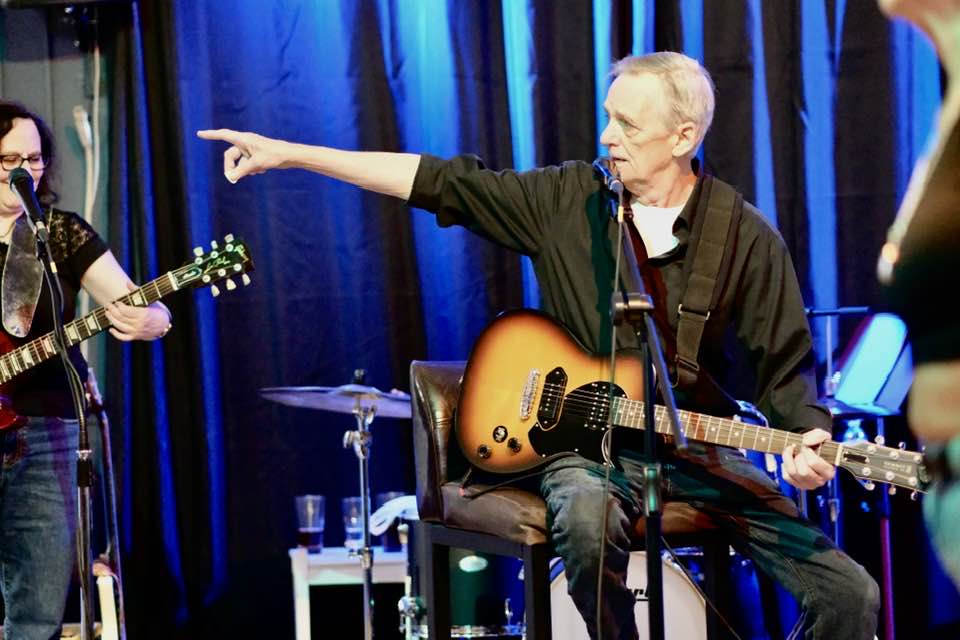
[[514, 445], [483, 452]]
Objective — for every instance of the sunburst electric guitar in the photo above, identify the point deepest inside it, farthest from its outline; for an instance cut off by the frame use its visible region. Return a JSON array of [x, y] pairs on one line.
[[530, 393], [219, 263]]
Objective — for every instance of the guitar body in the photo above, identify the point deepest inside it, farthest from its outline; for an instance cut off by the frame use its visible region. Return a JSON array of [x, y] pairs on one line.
[[529, 390], [9, 419]]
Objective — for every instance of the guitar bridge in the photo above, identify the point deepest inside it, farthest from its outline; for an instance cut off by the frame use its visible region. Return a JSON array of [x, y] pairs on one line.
[[529, 391]]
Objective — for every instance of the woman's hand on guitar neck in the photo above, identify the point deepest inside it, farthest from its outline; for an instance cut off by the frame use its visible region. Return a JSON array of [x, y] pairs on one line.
[[803, 467], [137, 323]]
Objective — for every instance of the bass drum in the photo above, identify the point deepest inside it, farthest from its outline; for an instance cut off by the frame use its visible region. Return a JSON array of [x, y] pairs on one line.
[[684, 611]]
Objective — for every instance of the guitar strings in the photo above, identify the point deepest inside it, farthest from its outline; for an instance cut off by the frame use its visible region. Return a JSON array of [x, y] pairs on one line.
[[596, 406]]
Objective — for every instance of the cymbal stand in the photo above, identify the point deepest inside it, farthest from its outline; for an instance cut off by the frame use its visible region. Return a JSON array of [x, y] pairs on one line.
[[361, 440]]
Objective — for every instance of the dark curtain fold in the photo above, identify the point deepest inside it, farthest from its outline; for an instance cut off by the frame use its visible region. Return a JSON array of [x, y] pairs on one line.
[[157, 390]]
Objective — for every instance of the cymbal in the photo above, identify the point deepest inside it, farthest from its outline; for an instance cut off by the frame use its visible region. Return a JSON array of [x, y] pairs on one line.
[[342, 399]]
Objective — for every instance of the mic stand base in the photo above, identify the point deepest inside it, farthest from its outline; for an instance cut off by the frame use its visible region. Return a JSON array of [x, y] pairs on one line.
[[83, 562]]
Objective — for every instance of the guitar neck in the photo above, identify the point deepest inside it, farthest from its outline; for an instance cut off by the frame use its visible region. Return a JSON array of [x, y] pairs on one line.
[[714, 430], [43, 348]]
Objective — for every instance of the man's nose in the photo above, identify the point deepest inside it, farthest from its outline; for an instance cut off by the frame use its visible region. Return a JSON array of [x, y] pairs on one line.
[[608, 135]]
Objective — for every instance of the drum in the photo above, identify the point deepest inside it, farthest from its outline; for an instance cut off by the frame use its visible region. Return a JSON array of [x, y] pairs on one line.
[[684, 611]]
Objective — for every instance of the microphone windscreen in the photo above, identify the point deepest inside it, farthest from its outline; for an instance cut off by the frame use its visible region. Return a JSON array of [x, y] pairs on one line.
[[20, 176]]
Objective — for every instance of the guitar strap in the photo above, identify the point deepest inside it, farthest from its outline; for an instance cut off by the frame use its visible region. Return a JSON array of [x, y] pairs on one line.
[[714, 230], [21, 280]]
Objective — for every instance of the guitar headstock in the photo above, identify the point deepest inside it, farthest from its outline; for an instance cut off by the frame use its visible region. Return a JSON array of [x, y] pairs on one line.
[[216, 264], [874, 462]]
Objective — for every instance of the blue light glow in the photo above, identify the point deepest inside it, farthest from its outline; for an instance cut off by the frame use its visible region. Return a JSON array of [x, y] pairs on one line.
[[872, 359]]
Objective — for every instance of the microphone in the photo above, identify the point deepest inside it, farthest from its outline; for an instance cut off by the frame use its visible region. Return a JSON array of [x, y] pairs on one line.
[[21, 183], [602, 169]]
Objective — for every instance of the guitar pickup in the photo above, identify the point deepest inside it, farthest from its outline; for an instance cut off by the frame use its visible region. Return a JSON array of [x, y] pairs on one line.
[[554, 388], [529, 391]]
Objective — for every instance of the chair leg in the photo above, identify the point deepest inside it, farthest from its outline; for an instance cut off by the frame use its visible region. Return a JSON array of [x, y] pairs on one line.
[[536, 591], [717, 587], [436, 584]]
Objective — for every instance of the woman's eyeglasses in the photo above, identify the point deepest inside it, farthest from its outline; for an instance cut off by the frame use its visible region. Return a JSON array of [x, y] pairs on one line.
[[12, 161]]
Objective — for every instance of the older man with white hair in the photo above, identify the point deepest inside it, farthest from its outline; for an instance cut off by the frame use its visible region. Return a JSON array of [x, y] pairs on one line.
[[659, 107]]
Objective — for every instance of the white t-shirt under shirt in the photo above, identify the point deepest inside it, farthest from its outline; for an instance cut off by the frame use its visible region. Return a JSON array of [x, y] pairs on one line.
[[655, 225]]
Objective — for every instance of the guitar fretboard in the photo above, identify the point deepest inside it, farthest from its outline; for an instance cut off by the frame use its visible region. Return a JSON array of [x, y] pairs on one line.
[[43, 348], [722, 431]]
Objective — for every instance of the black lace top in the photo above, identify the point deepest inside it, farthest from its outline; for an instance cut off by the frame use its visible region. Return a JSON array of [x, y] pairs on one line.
[[43, 390]]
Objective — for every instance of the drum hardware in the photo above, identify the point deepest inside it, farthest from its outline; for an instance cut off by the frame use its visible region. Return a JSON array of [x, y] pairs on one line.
[[476, 606], [364, 403], [410, 608]]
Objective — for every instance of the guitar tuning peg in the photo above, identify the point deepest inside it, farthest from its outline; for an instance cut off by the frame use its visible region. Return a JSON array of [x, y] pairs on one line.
[[246, 279], [913, 495], [215, 290], [213, 244], [892, 490], [231, 285], [228, 238], [198, 251], [869, 486], [902, 445], [880, 440]]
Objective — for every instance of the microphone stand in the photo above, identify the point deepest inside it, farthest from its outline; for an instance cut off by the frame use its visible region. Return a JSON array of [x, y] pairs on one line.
[[634, 307], [84, 463]]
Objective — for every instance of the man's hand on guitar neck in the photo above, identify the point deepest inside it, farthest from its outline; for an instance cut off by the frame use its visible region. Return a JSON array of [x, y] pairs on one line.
[[803, 467]]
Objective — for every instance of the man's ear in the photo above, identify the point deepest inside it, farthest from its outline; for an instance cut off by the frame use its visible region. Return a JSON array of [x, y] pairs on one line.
[[686, 139]]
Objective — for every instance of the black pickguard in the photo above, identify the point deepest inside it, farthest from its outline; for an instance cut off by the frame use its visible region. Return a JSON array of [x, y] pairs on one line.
[[581, 425]]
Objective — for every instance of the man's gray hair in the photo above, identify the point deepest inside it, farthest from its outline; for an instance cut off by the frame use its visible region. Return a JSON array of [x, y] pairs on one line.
[[688, 88]]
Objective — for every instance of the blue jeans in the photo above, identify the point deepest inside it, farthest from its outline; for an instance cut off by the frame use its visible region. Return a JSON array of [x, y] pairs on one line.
[[838, 597], [37, 525], [941, 510]]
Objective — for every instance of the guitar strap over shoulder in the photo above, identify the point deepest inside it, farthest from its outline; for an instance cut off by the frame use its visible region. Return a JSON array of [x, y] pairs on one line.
[[714, 231]]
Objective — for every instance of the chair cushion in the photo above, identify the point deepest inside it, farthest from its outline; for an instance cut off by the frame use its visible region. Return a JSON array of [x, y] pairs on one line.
[[506, 512]]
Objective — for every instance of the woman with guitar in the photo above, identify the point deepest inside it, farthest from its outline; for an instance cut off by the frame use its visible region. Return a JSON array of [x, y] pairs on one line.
[[38, 428], [660, 107]]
